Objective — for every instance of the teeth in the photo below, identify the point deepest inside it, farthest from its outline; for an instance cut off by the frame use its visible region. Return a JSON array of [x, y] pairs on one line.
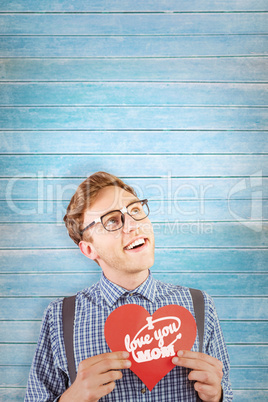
[[135, 243]]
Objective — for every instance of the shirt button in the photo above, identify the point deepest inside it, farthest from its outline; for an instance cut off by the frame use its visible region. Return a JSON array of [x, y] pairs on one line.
[[131, 294], [143, 390]]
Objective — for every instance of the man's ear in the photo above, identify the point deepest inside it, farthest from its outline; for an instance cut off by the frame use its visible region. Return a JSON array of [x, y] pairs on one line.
[[88, 250]]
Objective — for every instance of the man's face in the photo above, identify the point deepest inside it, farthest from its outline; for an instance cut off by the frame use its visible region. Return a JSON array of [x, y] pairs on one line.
[[110, 248]]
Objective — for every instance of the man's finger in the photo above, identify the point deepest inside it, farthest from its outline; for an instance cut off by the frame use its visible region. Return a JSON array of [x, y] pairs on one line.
[[111, 355], [91, 361], [111, 376], [105, 390], [206, 392], [203, 376], [193, 364], [200, 356], [107, 365]]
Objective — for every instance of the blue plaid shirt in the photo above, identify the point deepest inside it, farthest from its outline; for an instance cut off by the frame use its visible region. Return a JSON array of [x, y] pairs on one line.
[[49, 378]]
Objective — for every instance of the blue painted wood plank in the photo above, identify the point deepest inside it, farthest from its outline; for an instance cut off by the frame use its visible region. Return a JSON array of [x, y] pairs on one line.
[[136, 94], [243, 332], [133, 24], [116, 142], [19, 331], [48, 285], [160, 211], [231, 260], [13, 394], [208, 69], [133, 117], [255, 355], [242, 308], [228, 308], [177, 260], [41, 187], [255, 378], [241, 355], [137, 5], [250, 395], [123, 165], [16, 376], [204, 235], [234, 332], [238, 284], [33, 308], [53, 289], [133, 46]]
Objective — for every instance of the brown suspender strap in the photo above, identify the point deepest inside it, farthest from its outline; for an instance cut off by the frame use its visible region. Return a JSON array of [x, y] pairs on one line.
[[68, 311], [199, 310]]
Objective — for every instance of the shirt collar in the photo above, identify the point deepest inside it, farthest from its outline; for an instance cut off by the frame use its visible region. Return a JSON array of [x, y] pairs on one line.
[[112, 292]]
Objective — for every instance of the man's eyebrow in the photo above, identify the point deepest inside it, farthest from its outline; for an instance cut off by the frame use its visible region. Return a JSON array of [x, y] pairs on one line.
[[133, 200]]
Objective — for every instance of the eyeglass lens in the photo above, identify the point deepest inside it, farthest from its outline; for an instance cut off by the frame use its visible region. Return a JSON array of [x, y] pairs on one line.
[[115, 220]]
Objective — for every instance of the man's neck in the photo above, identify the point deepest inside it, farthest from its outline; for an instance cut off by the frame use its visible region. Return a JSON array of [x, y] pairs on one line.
[[129, 282]]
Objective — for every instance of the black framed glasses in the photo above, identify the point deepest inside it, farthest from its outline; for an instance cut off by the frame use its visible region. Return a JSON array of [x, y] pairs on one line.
[[114, 220]]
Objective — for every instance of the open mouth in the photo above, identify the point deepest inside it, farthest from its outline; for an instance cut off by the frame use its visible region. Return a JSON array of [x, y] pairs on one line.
[[137, 245]]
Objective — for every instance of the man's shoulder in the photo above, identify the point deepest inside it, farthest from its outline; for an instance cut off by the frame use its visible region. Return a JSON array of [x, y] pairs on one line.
[[53, 311], [173, 287], [53, 307], [182, 291]]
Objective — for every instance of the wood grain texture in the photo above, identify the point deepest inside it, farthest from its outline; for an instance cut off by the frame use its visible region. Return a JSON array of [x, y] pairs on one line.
[[41, 187], [133, 46], [134, 142], [249, 395], [204, 69], [133, 24], [137, 5], [131, 117], [136, 94], [153, 165]]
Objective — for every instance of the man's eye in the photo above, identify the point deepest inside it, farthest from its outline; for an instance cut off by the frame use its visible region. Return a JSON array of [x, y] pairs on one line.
[[112, 221]]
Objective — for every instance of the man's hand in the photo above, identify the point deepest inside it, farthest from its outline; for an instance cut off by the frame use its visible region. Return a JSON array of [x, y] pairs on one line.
[[96, 377], [206, 371]]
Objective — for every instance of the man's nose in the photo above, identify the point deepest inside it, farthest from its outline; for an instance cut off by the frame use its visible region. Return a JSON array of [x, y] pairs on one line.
[[130, 224]]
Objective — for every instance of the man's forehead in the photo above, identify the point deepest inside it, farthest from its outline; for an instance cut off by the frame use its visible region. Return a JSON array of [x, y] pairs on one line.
[[108, 199]]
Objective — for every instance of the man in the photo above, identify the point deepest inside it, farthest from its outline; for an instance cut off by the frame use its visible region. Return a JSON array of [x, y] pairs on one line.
[[111, 226]]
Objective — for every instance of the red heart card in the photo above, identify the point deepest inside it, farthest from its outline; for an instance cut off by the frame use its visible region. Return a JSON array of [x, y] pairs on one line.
[[152, 341]]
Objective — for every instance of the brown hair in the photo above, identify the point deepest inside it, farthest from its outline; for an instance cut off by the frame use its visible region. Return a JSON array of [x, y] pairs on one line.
[[84, 197]]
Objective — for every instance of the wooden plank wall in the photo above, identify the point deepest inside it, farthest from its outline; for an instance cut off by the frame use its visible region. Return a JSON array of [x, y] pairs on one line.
[[169, 95]]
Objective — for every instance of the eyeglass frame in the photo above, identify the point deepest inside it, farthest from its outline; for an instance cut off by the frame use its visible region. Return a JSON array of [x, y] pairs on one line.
[[123, 212]]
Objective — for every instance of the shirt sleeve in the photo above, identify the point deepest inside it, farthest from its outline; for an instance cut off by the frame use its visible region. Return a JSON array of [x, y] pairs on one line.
[[47, 381], [216, 347]]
